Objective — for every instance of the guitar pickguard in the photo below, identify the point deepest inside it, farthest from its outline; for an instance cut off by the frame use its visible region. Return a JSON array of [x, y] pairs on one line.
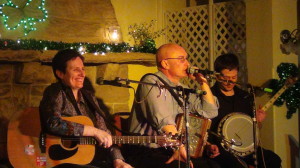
[[56, 152]]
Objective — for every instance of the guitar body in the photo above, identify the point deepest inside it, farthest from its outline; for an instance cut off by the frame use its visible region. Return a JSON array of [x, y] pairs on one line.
[[59, 153], [23, 143], [23, 140]]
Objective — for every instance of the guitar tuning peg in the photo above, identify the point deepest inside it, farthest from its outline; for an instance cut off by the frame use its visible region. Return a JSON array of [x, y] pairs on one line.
[[168, 135], [165, 145]]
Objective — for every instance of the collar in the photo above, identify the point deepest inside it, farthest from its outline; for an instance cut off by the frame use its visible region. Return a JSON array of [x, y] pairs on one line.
[[165, 78], [80, 97]]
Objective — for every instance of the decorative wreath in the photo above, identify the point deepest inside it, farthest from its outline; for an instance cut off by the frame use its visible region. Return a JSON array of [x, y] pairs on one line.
[[23, 13], [291, 96]]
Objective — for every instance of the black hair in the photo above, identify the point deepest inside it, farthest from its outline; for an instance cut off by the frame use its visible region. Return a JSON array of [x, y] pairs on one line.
[[226, 61], [59, 61]]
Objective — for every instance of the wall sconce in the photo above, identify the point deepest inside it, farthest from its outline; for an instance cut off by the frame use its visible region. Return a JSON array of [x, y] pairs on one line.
[[290, 42], [114, 34]]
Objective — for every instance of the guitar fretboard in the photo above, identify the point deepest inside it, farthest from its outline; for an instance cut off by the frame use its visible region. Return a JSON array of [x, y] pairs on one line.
[[274, 98], [135, 139], [117, 140]]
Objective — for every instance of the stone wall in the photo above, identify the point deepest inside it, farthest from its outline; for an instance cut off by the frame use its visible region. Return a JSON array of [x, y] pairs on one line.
[[23, 80]]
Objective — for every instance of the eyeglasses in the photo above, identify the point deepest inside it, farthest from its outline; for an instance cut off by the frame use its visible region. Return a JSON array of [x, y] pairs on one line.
[[227, 79], [182, 59]]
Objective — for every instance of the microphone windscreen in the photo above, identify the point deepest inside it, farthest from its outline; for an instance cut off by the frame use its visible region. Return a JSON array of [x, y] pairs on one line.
[[268, 90], [191, 70]]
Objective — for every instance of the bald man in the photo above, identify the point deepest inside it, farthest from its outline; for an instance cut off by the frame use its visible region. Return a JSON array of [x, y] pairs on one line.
[[155, 109]]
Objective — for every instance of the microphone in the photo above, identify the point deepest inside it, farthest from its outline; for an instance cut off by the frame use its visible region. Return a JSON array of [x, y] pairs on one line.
[[192, 70], [101, 81], [200, 92], [268, 90]]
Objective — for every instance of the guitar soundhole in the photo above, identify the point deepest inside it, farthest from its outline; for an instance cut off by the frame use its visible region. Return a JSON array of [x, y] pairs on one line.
[[56, 152]]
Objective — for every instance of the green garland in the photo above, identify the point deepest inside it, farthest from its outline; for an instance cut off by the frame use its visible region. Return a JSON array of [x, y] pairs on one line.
[[31, 44], [292, 95]]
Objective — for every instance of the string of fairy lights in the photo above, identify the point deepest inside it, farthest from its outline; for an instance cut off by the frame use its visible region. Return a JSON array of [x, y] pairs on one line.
[[26, 21], [84, 47], [28, 24]]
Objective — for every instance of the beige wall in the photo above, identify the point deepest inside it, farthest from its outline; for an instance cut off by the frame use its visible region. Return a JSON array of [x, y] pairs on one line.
[[129, 12], [135, 72], [259, 56], [284, 17], [265, 20]]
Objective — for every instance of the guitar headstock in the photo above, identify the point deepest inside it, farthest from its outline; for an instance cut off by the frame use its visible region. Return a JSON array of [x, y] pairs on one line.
[[290, 81], [169, 140]]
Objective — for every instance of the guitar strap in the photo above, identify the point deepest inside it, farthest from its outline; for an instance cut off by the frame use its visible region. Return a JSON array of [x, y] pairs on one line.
[[176, 97], [71, 97], [91, 103]]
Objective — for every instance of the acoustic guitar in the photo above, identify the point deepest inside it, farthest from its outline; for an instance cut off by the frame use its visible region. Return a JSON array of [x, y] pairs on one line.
[[24, 149], [288, 83]]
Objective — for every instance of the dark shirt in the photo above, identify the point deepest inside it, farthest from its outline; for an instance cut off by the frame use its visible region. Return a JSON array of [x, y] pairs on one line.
[[239, 102], [58, 101]]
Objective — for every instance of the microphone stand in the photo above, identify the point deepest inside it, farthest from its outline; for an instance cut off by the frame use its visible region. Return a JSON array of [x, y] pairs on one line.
[[224, 140], [178, 88], [227, 146], [252, 92], [186, 121]]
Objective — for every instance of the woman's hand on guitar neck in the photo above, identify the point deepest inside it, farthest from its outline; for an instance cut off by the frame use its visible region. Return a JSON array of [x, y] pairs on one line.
[[104, 139]]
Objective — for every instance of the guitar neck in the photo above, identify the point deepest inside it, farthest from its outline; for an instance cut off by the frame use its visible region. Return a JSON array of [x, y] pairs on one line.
[[135, 139], [118, 140], [274, 98]]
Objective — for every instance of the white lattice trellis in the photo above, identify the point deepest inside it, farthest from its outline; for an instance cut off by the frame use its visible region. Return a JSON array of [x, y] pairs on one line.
[[190, 28]]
